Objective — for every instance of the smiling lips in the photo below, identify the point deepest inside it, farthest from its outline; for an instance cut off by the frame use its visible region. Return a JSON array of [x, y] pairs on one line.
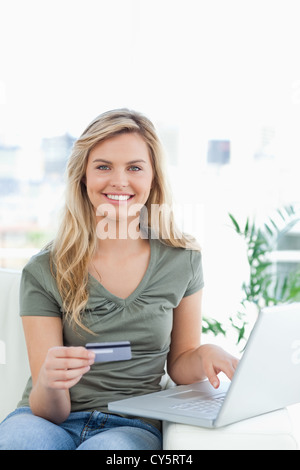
[[119, 197]]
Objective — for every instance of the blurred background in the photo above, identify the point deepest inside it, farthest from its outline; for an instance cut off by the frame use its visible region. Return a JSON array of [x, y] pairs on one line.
[[220, 79]]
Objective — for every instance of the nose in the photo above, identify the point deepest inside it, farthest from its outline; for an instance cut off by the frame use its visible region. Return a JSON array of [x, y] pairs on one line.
[[119, 179]]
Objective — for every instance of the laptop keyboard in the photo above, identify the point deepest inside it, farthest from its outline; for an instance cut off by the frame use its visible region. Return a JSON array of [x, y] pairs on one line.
[[211, 405]]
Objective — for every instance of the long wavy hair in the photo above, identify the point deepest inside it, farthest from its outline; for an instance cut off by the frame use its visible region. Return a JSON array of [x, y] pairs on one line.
[[74, 246]]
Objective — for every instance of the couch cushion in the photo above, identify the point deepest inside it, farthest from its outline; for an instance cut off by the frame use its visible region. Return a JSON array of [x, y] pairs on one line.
[[271, 431]]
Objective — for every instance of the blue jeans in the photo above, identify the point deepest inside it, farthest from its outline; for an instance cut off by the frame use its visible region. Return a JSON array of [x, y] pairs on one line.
[[22, 430]]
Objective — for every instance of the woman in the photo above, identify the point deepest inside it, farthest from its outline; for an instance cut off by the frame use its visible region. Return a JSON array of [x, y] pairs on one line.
[[118, 270]]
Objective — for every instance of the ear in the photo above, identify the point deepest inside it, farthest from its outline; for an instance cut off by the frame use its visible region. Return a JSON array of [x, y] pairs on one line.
[[83, 180]]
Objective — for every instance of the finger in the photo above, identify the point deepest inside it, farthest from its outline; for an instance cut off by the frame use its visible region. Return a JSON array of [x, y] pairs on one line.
[[65, 378], [235, 363], [66, 384], [71, 363], [214, 380], [69, 374], [72, 351], [212, 377], [230, 367]]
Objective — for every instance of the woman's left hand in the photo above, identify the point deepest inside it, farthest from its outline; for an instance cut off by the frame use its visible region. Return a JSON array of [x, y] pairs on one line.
[[215, 360]]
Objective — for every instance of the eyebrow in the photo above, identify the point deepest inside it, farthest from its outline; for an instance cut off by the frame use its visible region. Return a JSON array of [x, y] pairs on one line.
[[127, 163]]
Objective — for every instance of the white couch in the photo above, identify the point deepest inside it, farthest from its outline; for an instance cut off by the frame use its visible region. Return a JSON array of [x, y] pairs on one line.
[[271, 431]]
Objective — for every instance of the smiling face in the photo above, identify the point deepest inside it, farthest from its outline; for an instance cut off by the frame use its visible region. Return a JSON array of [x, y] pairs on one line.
[[119, 173]]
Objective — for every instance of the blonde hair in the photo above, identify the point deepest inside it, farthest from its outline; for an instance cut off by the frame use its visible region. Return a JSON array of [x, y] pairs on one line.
[[76, 240]]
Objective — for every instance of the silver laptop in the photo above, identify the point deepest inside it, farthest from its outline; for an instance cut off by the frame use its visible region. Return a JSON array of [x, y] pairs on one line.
[[266, 379]]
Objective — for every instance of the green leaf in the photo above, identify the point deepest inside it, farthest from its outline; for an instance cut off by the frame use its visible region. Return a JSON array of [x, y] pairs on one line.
[[213, 326], [268, 229], [274, 224], [246, 227], [239, 329], [262, 266], [253, 229], [236, 225], [281, 215]]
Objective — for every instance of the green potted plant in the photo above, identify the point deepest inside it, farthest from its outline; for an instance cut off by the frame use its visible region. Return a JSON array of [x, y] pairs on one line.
[[264, 287]]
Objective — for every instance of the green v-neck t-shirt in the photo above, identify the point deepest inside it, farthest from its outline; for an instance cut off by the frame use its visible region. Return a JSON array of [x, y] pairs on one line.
[[145, 318]]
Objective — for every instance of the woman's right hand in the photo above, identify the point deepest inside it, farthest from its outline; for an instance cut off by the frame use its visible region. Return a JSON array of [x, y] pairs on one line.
[[54, 367], [64, 366]]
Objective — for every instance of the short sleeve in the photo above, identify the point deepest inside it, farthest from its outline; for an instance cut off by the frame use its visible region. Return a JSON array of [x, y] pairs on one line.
[[197, 282], [35, 299]]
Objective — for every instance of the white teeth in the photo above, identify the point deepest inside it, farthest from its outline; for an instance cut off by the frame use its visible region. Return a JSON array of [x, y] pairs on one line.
[[118, 197]]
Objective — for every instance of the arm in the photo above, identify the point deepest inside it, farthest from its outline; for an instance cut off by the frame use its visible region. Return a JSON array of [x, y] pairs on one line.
[[188, 361], [54, 368]]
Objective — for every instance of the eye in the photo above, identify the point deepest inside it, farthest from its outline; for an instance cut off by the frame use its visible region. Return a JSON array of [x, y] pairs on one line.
[[103, 167], [134, 168]]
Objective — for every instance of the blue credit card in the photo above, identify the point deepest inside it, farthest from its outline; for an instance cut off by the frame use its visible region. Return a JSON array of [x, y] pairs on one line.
[[108, 352]]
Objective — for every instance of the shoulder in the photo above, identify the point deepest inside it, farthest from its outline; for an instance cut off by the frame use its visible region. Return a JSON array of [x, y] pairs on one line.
[[177, 255], [39, 295], [38, 272], [39, 264], [172, 259], [177, 272]]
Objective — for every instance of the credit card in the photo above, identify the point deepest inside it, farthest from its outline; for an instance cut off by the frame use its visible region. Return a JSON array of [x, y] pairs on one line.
[[109, 352]]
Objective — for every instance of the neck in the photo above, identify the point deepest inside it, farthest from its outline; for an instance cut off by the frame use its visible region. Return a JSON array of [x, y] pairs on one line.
[[124, 232], [120, 247]]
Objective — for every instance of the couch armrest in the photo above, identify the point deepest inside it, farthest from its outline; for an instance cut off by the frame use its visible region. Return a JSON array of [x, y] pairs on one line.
[[14, 367]]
